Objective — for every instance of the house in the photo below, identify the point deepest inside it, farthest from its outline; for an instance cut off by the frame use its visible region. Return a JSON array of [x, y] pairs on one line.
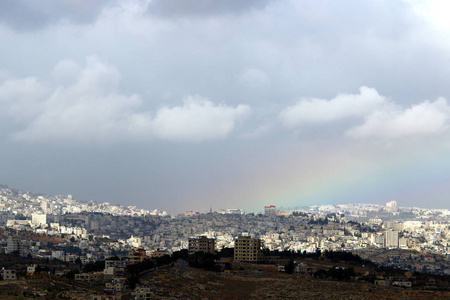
[[137, 256], [304, 269], [89, 277], [31, 270], [9, 274], [159, 253], [382, 282], [118, 284], [406, 284], [142, 293], [106, 297]]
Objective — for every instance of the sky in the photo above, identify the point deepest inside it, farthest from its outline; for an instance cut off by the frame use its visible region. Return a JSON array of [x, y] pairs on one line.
[[183, 105]]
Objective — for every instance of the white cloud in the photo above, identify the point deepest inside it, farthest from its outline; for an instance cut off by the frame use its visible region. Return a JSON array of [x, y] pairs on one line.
[[198, 119], [21, 97], [66, 72], [85, 105], [433, 11], [421, 119], [381, 118], [313, 110]]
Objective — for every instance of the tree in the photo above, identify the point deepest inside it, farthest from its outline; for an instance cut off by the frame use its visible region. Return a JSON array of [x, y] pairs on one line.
[[71, 274], [226, 252], [289, 268]]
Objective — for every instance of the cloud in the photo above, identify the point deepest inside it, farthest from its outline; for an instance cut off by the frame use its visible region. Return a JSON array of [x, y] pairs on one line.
[[198, 119], [313, 110], [85, 105], [183, 8], [32, 15], [253, 78], [90, 108], [21, 97], [381, 117], [422, 119]]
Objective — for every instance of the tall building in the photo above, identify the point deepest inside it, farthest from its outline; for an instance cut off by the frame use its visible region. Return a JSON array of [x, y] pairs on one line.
[[14, 244], [248, 249], [391, 238], [378, 239], [202, 244], [270, 210], [391, 206]]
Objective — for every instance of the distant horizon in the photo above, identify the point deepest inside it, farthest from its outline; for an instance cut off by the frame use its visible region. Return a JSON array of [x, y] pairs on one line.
[[279, 208]]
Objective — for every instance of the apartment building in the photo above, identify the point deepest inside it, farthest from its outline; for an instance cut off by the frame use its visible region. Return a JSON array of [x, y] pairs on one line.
[[202, 244], [248, 249]]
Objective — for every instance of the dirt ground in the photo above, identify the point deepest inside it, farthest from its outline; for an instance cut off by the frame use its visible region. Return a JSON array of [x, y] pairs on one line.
[[181, 282]]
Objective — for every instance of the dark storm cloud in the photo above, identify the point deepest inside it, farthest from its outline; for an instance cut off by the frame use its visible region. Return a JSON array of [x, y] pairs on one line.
[[199, 8], [32, 15]]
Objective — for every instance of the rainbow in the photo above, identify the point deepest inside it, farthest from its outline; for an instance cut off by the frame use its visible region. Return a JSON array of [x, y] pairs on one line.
[[351, 177]]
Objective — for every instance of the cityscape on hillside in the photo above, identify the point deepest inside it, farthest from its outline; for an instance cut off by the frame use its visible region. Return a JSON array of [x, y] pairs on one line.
[[59, 228], [347, 227]]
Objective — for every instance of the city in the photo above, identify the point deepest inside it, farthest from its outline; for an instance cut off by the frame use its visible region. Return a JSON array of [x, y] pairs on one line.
[[65, 230]]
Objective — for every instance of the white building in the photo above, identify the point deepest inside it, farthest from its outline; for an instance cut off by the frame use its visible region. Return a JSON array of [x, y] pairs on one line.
[[391, 206], [38, 219], [391, 238]]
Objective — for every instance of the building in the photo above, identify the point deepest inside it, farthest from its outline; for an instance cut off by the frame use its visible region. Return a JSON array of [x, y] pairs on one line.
[[234, 211], [391, 239], [270, 210], [115, 263], [31, 270], [391, 206], [159, 253], [14, 244], [305, 269], [108, 295], [248, 249], [378, 239], [137, 256], [135, 241], [143, 293], [202, 244], [89, 277], [38, 219], [403, 243], [117, 284], [191, 213], [9, 274]]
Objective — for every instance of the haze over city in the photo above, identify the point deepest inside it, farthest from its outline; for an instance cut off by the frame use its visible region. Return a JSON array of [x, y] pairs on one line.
[[187, 105]]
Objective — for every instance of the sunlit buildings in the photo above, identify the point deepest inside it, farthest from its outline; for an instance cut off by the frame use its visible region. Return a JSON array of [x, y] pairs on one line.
[[248, 249], [39, 219], [202, 244], [391, 239], [391, 206]]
